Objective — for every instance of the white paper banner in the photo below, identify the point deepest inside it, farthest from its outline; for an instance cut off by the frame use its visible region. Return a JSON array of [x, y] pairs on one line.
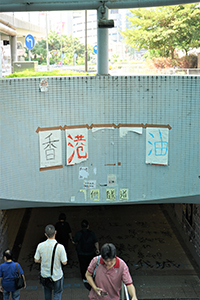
[[124, 130], [50, 148], [77, 145], [94, 129], [157, 146]]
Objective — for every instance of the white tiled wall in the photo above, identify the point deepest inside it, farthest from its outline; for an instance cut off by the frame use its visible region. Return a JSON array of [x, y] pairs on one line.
[[164, 100]]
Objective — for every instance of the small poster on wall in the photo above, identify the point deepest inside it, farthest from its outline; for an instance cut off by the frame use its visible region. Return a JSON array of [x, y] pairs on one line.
[[110, 195], [89, 184], [94, 194], [157, 140], [111, 179], [123, 194]]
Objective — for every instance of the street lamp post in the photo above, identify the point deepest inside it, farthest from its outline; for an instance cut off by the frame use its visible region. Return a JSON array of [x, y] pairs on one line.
[[86, 41], [61, 39], [47, 43]]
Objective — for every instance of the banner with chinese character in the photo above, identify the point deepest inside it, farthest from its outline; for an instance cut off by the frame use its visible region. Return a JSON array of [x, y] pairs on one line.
[[50, 148], [123, 194], [110, 195], [157, 146], [94, 194], [77, 145]]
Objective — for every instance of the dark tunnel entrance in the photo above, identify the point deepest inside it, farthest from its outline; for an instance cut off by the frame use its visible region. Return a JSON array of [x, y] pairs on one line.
[[145, 236]]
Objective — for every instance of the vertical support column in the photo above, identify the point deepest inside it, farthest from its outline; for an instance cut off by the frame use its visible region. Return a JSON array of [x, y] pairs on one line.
[[1, 58], [102, 45], [13, 50], [86, 41], [47, 41]]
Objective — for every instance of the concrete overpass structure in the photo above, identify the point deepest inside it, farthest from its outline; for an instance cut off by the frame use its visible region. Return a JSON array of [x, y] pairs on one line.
[[13, 30], [22, 28], [48, 5], [102, 8]]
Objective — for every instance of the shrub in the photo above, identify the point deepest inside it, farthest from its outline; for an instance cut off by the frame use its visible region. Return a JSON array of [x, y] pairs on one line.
[[162, 63], [47, 73], [188, 61]]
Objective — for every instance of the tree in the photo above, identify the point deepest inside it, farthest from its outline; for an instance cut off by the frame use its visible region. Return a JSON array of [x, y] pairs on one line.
[[164, 28], [70, 46], [54, 41], [40, 50]]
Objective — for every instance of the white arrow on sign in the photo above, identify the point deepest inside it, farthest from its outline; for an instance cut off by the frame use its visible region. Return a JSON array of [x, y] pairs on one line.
[[30, 40]]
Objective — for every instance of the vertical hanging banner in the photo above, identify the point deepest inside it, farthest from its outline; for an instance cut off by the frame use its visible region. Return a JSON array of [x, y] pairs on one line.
[[77, 145], [50, 144], [157, 146]]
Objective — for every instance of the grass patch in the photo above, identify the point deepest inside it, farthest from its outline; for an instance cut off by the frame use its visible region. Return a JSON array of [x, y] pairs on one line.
[[47, 73]]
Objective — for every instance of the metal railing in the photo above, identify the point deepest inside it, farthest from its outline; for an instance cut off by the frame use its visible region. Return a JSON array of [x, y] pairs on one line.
[[124, 293], [142, 70]]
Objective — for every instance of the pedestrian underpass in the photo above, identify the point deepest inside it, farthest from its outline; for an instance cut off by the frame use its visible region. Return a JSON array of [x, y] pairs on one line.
[[145, 237]]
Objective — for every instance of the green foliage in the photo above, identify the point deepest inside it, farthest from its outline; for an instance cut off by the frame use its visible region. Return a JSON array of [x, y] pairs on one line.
[[161, 63], [70, 46], [164, 28], [68, 60], [46, 74], [130, 50], [185, 62], [80, 60], [39, 51], [153, 53], [188, 61], [89, 51], [54, 41], [115, 57]]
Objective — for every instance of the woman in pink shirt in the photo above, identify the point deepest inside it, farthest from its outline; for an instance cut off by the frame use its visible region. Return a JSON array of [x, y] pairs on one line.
[[110, 274]]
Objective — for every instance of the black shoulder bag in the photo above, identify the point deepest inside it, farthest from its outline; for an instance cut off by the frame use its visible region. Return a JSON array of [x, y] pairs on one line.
[[48, 281], [19, 280]]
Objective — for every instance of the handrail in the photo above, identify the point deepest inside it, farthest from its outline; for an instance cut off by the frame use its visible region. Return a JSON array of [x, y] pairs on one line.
[[124, 292]]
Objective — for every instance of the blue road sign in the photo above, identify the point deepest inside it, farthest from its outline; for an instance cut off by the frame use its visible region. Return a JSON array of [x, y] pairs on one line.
[[95, 49], [29, 41]]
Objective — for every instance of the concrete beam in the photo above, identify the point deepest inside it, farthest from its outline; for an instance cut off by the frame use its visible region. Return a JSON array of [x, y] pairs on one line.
[[7, 30], [22, 27], [49, 5]]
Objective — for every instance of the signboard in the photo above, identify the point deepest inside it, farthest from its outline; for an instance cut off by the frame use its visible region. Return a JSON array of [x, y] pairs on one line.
[[29, 41], [95, 49]]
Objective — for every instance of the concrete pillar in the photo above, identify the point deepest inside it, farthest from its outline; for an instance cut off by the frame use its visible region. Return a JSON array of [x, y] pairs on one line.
[[3, 234], [13, 50], [102, 45], [1, 58], [0, 65]]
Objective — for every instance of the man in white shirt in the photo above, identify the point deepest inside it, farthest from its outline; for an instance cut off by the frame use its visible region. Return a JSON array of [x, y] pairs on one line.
[[43, 255]]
